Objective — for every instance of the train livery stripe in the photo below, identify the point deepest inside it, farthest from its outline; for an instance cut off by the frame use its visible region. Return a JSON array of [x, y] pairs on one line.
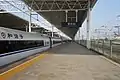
[[8, 74], [19, 51]]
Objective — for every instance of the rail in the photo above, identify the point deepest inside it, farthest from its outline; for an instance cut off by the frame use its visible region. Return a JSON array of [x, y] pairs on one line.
[[108, 48]]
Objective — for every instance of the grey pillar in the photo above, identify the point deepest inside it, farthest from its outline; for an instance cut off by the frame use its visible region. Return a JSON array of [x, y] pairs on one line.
[[79, 35], [79, 28], [29, 20], [66, 13], [52, 31], [76, 15], [88, 44], [26, 28], [59, 34]]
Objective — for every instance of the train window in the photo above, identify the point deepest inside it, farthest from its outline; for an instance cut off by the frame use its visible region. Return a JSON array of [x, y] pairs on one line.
[[47, 42], [9, 46], [55, 42]]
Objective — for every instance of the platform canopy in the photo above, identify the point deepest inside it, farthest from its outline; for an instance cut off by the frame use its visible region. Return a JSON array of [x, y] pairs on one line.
[[66, 15], [11, 21]]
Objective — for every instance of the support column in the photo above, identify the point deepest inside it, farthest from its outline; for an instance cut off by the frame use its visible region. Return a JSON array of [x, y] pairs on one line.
[[66, 13], [76, 15], [30, 20], [26, 28], [59, 34], [118, 30], [88, 44], [79, 35], [52, 31], [79, 28]]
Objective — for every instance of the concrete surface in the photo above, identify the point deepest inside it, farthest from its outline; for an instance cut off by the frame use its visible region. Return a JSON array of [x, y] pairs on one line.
[[71, 61]]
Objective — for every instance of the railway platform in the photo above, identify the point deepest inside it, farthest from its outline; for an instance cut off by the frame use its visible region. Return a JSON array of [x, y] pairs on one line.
[[70, 61]]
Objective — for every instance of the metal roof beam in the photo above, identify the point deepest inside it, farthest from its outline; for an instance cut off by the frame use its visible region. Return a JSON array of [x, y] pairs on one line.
[[59, 10], [57, 5]]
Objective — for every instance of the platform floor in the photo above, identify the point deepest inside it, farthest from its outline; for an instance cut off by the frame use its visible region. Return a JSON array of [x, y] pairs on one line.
[[71, 61]]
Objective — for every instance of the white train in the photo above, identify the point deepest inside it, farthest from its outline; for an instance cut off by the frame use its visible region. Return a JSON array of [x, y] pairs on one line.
[[16, 45]]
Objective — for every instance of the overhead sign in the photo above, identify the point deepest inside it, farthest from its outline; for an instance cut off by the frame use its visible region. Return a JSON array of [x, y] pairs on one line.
[[70, 24]]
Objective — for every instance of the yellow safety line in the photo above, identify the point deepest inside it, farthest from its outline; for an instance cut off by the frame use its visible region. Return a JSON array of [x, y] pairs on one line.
[[8, 74]]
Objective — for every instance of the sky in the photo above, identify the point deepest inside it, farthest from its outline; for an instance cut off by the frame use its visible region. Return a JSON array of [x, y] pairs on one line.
[[104, 13]]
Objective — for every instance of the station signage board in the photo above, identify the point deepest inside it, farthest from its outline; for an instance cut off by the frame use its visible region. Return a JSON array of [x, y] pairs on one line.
[[70, 24]]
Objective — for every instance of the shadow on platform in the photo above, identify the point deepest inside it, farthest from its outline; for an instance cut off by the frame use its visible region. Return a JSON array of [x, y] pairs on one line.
[[72, 49]]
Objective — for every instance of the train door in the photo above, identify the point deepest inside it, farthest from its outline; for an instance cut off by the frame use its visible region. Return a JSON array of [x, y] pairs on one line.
[[50, 42]]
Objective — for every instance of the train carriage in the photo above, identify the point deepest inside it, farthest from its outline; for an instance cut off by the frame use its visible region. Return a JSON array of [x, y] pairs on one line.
[[16, 45]]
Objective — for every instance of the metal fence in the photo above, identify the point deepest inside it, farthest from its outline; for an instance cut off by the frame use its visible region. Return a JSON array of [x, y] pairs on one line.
[[109, 48]]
